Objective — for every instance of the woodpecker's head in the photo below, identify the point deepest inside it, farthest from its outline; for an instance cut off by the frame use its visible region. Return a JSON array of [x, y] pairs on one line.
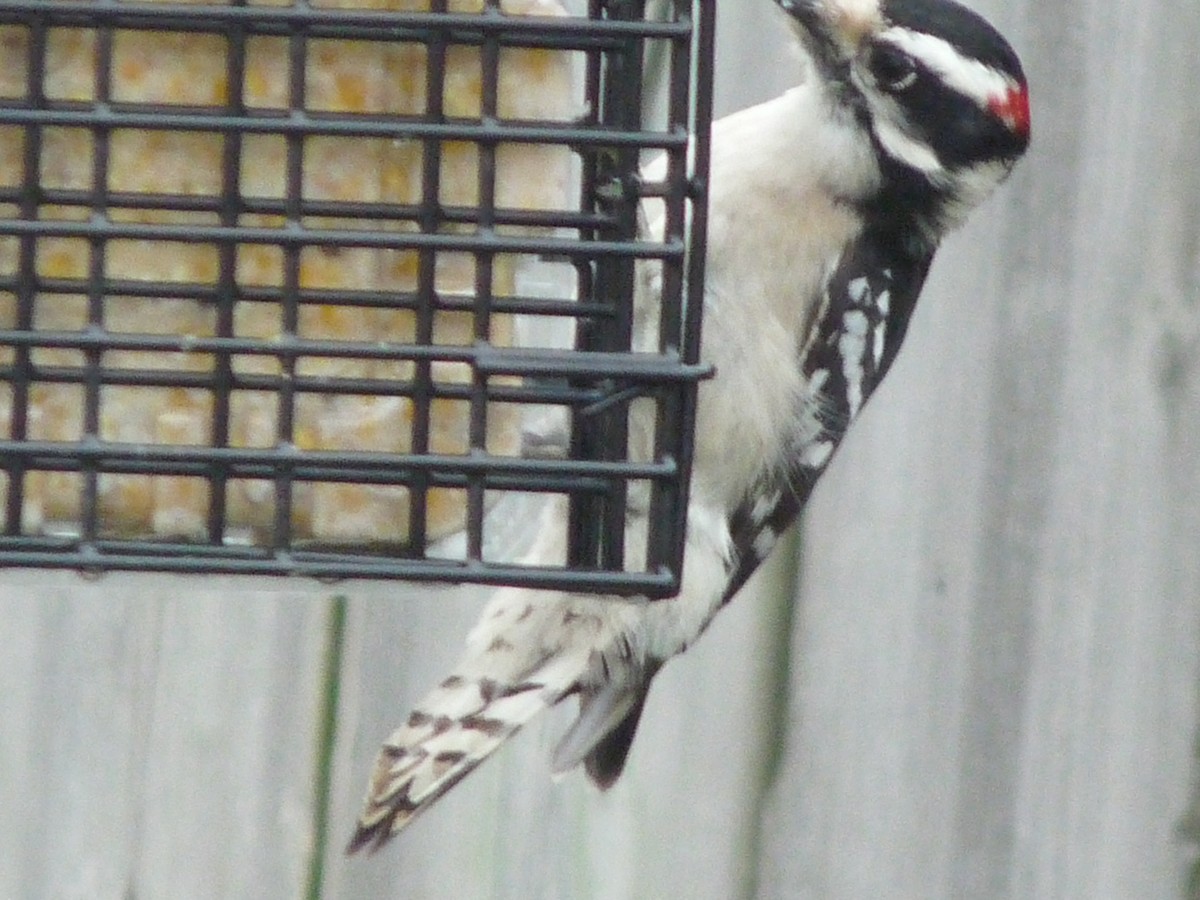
[[938, 90]]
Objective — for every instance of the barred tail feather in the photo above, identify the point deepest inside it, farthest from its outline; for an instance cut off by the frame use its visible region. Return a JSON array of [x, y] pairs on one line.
[[455, 728]]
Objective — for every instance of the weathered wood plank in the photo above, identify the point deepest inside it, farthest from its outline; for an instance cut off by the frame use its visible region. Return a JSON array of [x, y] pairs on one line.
[[995, 693], [158, 735], [230, 767]]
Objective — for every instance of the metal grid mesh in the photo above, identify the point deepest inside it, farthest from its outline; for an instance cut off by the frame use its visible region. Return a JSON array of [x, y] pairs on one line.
[[324, 424]]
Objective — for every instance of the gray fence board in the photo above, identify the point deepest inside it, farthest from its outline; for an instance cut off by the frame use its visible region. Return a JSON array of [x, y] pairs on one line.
[[158, 736], [996, 688]]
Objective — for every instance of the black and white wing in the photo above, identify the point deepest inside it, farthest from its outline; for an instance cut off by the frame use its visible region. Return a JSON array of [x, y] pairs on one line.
[[852, 342]]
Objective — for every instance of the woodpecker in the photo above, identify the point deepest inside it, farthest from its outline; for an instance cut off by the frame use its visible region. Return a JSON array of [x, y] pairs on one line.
[[826, 206]]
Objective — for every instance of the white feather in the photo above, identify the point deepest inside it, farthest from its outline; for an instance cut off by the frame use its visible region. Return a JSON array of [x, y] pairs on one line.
[[969, 77]]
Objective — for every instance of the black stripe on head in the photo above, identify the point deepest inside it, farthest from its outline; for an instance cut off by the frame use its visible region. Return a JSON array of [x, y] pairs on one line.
[[973, 35], [958, 131]]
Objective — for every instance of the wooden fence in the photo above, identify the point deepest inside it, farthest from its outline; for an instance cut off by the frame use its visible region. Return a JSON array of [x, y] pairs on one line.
[[972, 675]]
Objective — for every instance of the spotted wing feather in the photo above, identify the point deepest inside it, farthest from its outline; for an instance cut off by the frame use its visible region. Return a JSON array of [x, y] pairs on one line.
[[852, 341], [851, 344]]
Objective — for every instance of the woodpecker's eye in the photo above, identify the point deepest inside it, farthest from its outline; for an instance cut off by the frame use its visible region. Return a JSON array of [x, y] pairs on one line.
[[892, 68]]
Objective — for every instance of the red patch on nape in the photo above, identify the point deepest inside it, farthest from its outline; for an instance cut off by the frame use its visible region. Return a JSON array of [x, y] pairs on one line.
[[1012, 108]]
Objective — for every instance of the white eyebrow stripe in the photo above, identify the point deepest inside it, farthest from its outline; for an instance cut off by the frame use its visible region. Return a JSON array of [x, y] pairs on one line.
[[970, 77]]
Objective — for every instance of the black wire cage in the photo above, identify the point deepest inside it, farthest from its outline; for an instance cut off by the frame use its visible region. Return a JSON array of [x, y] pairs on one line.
[[281, 285]]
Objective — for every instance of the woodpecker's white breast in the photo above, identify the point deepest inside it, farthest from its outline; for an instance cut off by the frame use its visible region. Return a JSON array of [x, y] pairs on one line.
[[780, 178]]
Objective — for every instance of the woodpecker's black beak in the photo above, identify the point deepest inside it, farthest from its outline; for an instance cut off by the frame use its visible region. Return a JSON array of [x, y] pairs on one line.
[[807, 12], [832, 30]]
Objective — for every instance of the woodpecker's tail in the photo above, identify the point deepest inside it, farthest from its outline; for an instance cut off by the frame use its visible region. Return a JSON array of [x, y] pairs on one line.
[[507, 678]]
